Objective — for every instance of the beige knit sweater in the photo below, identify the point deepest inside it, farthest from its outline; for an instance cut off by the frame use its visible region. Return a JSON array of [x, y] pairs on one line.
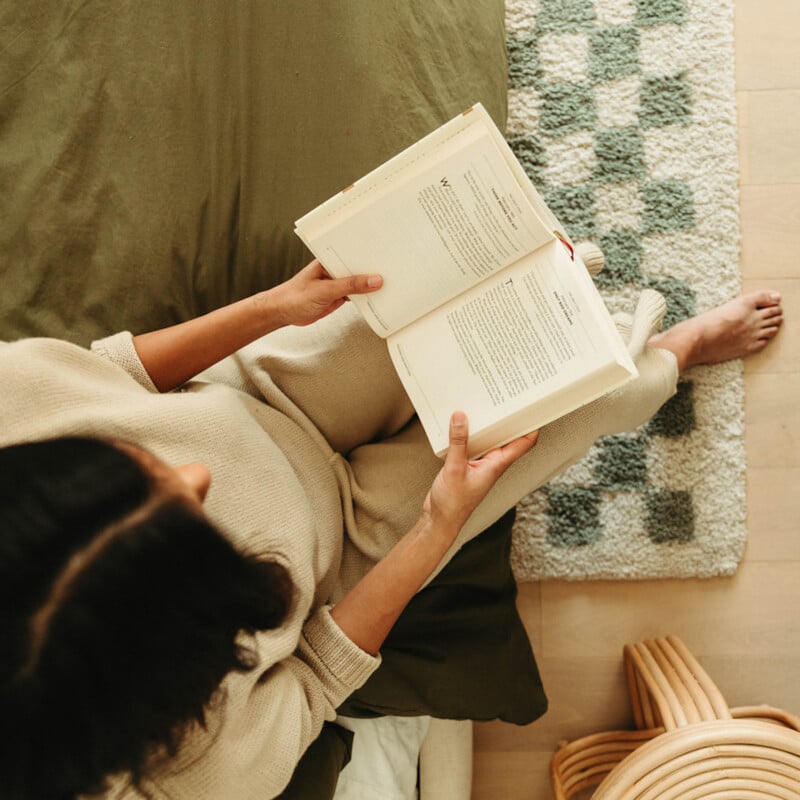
[[317, 460], [273, 491]]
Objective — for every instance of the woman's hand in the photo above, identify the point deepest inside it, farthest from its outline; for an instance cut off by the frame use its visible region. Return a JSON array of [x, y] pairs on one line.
[[312, 293], [368, 611], [462, 483], [173, 355]]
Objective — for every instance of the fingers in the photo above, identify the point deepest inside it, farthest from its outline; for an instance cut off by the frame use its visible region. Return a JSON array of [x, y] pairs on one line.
[[360, 284], [315, 270], [459, 436], [501, 457], [514, 450], [463, 483], [335, 288]]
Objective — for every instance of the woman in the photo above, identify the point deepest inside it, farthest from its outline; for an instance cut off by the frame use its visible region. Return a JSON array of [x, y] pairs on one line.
[[187, 629]]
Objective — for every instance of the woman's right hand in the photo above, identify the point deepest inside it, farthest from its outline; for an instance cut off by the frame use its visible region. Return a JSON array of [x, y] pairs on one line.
[[463, 483], [173, 355], [312, 294]]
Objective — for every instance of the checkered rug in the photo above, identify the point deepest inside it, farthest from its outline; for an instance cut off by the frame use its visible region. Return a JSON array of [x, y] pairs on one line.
[[622, 112]]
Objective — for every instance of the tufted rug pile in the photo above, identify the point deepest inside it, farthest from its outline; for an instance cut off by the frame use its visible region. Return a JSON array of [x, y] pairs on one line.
[[623, 114]]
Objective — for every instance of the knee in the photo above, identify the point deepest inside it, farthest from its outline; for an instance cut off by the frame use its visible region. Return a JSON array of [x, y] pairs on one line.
[[637, 401]]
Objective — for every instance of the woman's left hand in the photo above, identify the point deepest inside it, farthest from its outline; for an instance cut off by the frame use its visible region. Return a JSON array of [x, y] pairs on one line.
[[312, 293], [367, 612], [463, 483]]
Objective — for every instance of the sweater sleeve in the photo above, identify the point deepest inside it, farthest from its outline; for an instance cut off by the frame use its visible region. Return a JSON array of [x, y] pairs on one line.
[[119, 350], [265, 722], [285, 708], [338, 662]]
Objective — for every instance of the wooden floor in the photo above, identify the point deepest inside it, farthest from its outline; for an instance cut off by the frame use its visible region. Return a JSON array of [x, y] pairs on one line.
[[745, 629]]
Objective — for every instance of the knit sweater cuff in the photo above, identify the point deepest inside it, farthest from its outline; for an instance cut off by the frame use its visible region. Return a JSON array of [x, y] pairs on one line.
[[347, 664], [119, 349]]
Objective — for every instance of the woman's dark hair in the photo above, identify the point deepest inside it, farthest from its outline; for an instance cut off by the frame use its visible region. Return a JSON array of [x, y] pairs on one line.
[[120, 609]]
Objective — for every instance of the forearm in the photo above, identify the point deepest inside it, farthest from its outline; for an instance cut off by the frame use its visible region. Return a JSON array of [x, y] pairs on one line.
[[173, 355], [368, 611], [176, 354]]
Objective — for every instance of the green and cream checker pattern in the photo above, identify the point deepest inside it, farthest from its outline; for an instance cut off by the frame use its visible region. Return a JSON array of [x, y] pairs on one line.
[[623, 114]]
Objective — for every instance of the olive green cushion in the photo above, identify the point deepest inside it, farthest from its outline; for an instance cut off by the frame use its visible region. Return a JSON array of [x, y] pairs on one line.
[[317, 773], [460, 650]]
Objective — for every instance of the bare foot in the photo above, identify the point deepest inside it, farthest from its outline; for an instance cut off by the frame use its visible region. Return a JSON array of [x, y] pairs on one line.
[[736, 329]]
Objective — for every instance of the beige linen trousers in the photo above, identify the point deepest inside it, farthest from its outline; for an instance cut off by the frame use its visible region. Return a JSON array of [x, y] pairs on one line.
[[339, 376]]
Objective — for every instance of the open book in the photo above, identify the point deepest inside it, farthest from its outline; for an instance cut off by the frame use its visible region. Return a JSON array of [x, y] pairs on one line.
[[485, 306]]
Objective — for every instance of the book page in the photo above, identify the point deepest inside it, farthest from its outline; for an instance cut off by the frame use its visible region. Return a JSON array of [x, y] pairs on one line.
[[504, 349], [446, 224]]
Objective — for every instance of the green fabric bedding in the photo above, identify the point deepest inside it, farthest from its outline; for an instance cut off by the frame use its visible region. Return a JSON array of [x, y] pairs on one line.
[[153, 158], [154, 155]]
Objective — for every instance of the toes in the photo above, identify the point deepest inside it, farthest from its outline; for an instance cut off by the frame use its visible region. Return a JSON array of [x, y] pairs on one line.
[[771, 312], [771, 322], [765, 298]]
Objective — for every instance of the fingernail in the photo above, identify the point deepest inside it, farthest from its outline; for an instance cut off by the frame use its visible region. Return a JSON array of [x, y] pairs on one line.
[[775, 295], [374, 281]]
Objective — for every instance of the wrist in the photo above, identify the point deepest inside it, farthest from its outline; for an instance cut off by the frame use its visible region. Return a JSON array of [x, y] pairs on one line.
[[270, 309], [436, 529]]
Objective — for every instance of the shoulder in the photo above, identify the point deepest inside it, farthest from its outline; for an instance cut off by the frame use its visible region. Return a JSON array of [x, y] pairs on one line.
[[49, 359], [25, 358], [51, 387]]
